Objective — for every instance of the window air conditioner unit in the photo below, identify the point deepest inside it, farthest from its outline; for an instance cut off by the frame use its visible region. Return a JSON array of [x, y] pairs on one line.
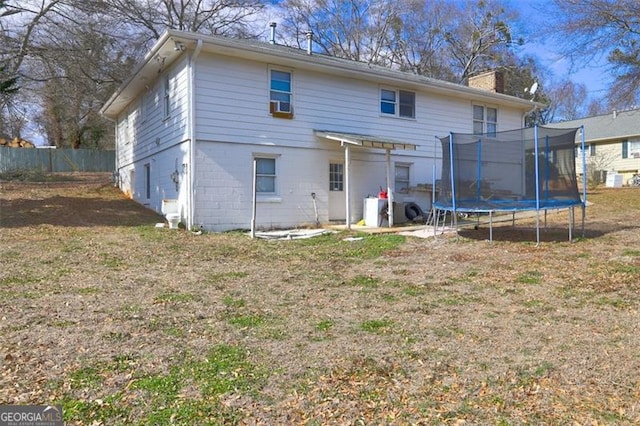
[[281, 106]]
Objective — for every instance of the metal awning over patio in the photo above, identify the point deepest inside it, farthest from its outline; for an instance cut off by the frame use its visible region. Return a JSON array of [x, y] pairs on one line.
[[366, 141]]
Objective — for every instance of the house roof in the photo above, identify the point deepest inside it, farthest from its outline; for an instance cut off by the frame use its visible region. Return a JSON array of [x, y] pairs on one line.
[[606, 128], [172, 44]]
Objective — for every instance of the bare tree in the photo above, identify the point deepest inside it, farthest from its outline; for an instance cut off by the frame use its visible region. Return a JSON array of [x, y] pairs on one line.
[[352, 29], [148, 19], [588, 29], [418, 41], [479, 37], [70, 55]]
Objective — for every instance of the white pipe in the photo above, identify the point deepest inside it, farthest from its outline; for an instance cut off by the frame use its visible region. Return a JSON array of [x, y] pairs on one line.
[[272, 36], [309, 42]]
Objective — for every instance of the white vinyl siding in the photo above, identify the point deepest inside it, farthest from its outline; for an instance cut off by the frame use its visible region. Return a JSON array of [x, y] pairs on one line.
[[231, 96]]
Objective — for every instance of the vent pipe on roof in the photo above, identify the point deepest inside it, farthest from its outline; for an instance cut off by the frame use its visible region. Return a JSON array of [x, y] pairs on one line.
[[615, 114], [309, 41], [272, 37]]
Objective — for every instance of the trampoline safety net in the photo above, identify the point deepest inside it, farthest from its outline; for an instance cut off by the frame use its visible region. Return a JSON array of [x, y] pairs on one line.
[[524, 169]]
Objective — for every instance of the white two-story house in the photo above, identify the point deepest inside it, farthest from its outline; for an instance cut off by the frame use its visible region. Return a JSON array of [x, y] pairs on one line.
[[243, 130]]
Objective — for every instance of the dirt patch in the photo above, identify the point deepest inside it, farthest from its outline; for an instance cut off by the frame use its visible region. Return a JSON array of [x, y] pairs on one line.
[[97, 305]]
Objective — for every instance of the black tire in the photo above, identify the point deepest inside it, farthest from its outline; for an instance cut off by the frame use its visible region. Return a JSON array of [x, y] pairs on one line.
[[412, 211]]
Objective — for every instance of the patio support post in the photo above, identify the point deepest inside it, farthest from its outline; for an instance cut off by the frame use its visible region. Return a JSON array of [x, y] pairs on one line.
[[253, 198], [347, 183]]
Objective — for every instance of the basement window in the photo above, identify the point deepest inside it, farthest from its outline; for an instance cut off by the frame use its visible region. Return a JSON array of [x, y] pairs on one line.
[[265, 175]]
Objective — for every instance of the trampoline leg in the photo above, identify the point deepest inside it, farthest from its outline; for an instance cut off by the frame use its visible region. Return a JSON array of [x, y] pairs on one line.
[[454, 223], [537, 227], [545, 219], [570, 224], [583, 215], [434, 222], [513, 219], [491, 227]]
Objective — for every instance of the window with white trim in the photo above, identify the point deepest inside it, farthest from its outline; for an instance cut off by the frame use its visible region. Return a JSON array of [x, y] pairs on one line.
[[167, 96], [398, 103], [485, 120], [280, 93], [336, 177], [147, 181], [402, 177], [265, 175], [634, 148]]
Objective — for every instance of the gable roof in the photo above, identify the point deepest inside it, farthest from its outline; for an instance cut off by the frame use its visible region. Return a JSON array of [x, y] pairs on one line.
[[608, 127], [172, 44]]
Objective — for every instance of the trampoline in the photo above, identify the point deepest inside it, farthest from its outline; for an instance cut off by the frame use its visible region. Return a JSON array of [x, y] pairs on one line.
[[532, 169]]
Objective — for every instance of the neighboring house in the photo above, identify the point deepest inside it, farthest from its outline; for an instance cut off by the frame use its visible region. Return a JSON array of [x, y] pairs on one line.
[[612, 143], [323, 132]]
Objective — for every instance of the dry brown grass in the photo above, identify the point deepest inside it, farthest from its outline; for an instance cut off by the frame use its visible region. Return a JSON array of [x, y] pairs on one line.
[[123, 323]]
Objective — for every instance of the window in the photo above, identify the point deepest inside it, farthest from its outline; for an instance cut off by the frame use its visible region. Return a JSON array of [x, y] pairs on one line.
[[485, 120], [266, 175], [167, 96], [398, 103], [147, 180], [402, 174], [634, 149], [625, 149], [280, 95], [336, 177], [592, 150]]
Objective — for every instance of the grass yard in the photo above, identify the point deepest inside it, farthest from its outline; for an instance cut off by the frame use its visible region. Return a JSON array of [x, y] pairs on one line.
[[125, 324]]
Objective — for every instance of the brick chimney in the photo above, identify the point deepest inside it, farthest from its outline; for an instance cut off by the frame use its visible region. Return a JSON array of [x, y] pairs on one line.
[[492, 81]]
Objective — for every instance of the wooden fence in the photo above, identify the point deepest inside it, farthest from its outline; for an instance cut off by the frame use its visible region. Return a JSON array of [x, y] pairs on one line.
[[56, 160]]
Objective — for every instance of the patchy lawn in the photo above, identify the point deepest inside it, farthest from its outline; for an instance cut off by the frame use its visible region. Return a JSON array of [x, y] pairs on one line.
[[124, 323]]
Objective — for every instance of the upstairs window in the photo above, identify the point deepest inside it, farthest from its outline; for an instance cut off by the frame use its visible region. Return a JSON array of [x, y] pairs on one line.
[[485, 120], [167, 96], [398, 103], [625, 149], [280, 95]]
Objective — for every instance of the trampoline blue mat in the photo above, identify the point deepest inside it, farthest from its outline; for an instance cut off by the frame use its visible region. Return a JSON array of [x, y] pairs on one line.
[[470, 206]]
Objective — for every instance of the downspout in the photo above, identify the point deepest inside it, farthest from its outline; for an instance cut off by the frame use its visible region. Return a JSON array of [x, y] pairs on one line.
[[192, 136]]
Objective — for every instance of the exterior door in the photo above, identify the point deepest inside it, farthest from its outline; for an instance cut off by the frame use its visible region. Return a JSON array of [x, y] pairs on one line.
[[337, 203]]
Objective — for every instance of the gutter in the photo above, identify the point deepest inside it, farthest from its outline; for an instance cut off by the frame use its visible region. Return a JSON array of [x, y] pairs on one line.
[[192, 136]]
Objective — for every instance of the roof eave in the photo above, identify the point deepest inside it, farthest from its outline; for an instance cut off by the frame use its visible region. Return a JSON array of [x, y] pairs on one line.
[[266, 53]]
